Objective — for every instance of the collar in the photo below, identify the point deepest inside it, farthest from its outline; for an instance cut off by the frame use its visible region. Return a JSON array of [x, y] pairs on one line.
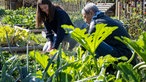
[[96, 15]]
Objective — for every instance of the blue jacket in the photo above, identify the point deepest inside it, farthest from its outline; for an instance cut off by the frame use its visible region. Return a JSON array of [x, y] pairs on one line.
[[54, 27], [120, 49]]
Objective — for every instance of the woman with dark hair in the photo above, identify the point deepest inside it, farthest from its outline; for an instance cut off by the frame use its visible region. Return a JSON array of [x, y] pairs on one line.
[[53, 16]]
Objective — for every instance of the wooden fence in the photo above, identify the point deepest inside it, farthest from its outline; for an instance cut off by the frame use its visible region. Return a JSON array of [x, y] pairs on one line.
[[71, 7], [2, 4], [128, 7], [76, 6], [68, 6]]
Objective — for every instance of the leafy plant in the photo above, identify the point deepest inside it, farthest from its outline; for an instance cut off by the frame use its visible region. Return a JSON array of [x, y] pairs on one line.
[[12, 70], [91, 42], [60, 66], [128, 73], [24, 17], [133, 20], [2, 12], [16, 36], [139, 46]]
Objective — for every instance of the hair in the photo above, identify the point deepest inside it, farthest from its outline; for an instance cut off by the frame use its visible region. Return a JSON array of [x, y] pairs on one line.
[[42, 16], [89, 6]]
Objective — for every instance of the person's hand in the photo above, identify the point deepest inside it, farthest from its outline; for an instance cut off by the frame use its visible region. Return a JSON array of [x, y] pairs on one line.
[[47, 47]]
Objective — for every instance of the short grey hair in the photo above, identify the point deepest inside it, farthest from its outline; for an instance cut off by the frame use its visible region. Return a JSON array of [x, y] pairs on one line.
[[89, 6]]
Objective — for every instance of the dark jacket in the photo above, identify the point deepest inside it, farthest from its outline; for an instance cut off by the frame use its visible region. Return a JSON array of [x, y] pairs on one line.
[[120, 49], [54, 27]]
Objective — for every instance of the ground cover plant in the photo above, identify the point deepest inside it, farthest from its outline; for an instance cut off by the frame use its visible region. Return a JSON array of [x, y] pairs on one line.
[[11, 36], [24, 17]]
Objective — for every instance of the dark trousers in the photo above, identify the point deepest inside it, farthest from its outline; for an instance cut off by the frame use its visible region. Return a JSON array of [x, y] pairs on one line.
[[103, 49]]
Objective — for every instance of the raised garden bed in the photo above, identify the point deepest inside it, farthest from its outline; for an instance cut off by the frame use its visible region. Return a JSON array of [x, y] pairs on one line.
[[21, 49], [36, 31]]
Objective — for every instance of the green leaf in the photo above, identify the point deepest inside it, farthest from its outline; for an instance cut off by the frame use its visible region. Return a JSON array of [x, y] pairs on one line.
[[139, 46], [110, 78], [42, 59], [106, 60], [68, 28], [128, 74], [38, 74], [91, 42]]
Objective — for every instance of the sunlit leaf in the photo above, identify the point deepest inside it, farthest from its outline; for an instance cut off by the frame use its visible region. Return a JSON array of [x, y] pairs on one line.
[[139, 46]]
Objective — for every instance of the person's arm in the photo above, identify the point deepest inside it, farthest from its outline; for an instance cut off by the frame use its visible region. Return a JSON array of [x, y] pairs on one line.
[[49, 35], [63, 18], [48, 31], [91, 27]]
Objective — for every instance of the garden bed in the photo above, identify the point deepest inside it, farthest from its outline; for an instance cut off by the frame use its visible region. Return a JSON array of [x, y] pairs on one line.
[[23, 48], [35, 30]]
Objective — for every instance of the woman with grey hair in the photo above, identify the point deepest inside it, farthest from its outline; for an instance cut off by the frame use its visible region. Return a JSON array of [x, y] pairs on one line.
[[92, 16]]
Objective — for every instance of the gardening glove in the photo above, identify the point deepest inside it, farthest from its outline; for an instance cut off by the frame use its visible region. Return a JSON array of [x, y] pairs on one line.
[[47, 47]]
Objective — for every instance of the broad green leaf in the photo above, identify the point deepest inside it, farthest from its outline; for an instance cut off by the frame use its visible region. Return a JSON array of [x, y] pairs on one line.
[[102, 31], [42, 59], [91, 42], [139, 46], [38, 74], [128, 74], [106, 60]]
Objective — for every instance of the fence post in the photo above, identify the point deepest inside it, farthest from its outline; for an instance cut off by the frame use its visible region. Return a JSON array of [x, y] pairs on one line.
[[119, 10], [116, 9], [142, 6]]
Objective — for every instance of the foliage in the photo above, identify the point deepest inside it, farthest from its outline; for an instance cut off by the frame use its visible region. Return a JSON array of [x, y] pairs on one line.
[[15, 36], [75, 68], [134, 21], [139, 46], [75, 16], [58, 66], [40, 39], [24, 17], [128, 73], [82, 68], [2, 12], [91, 42], [15, 68]]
